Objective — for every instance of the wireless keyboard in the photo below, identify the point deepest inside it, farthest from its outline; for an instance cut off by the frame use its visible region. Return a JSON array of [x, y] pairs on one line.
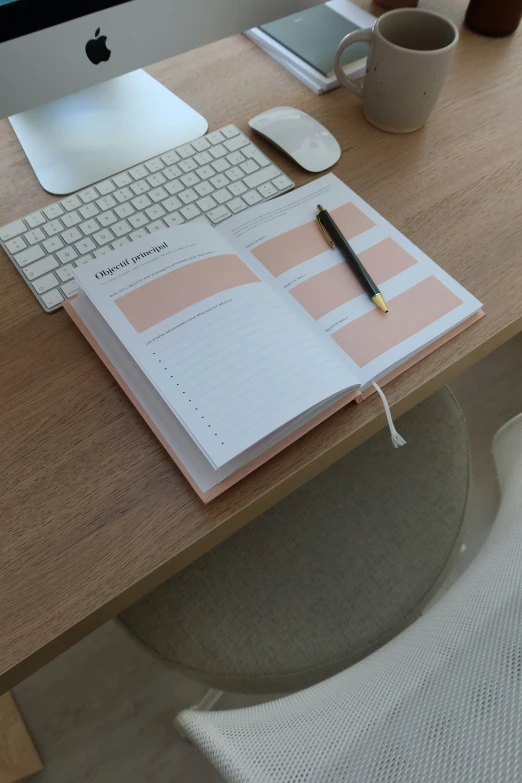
[[208, 180]]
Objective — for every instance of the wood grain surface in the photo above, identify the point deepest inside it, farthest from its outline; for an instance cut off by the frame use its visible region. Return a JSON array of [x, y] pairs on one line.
[[93, 513], [18, 757]]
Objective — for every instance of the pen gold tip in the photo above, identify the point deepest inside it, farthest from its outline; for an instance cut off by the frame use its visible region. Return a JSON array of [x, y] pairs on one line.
[[379, 301], [320, 208]]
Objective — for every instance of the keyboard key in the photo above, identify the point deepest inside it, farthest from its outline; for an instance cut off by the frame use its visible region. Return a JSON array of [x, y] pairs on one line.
[[169, 158], [220, 181], [189, 212], [174, 219], [104, 203], [83, 260], [121, 180], [263, 175], [229, 131], [222, 195], [235, 158], [120, 241], [172, 172], [156, 164], [206, 172], [34, 220], [155, 180], [85, 246], [12, 230], [220, 165], [70, 203], [52, 244], [237, 188], [282, 182], [171, 204], [249, 166], [45, 283], [123, 195], [252, 197], [155, 211], [174, 187], [201, 144], [158, 225], [138, 172], [66, 255], [206, 203], [204, 188], [219, 214], [267, 190], [34, 236], [65, 272], [31, 254], [203, 157], [121, 228], [141, 202], [40, 267], [16, 245], [236, 205], [53, 227], [107, 218], [255, 154], [142, 186], [124, 210], [158, 194], [201, 219], [53, 211], [138, 220], [235, 173], [105, 187], [52, 298], [89, 227], [189, 195], [190, 179], [89, 211], [139, 234], [71, 219], [215, 137], [186, 151], [236, 143], [102, 237], [188, 165], [102, 251], [89, 194], [218, 151], [70, 288]]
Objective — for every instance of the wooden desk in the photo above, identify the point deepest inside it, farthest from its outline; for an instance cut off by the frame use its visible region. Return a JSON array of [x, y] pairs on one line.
[[93, 513]]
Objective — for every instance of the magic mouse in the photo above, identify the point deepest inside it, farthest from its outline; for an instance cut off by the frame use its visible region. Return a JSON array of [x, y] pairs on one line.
[[299, 135]]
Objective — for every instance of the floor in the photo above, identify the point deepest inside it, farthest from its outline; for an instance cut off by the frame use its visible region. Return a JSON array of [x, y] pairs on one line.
[[102, 712]]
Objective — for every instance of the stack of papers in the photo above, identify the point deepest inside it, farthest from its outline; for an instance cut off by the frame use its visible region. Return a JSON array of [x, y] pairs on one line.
[[312, 78]]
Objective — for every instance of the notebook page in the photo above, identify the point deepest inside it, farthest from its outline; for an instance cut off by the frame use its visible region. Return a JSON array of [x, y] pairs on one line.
[[286, 249], [232, 362]]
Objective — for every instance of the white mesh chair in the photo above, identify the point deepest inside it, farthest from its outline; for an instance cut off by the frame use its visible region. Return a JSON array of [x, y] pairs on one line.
[[440, 703]]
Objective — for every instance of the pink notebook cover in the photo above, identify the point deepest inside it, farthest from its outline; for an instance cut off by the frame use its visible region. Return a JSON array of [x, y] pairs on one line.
[[271, 452]]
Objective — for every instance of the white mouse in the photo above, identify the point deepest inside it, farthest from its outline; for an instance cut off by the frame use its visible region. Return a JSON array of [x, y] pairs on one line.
[[299, 135]]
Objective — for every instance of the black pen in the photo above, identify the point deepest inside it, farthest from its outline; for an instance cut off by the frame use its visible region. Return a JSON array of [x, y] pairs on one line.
[[333, 235]]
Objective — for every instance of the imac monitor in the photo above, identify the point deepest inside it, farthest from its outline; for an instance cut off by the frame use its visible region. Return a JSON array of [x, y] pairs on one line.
[[71, 85]]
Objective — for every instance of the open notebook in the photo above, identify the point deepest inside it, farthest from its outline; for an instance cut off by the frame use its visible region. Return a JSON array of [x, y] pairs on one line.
[[233, 341]]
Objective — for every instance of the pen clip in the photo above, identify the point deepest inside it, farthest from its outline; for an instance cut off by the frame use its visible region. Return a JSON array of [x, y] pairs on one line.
[[322, 228]]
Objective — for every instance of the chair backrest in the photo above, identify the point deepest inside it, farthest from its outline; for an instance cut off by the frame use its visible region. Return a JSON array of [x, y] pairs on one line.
[[440, 703]]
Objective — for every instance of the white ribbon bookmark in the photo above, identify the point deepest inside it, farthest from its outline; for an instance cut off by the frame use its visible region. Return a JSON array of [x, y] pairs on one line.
[[397, 440]]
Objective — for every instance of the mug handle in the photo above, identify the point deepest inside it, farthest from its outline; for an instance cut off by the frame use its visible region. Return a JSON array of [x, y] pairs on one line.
[[365, 35]]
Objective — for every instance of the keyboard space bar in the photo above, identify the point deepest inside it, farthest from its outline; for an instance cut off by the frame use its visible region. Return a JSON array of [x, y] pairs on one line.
[[253, 180]]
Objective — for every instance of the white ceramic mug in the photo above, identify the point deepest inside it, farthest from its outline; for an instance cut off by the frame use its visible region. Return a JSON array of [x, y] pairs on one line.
[[410, 52]]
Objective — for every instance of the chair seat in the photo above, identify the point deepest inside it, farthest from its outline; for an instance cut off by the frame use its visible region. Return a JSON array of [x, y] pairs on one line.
[[329, 574]]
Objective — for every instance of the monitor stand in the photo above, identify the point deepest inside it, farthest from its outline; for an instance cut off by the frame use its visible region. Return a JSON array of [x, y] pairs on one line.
[[90, 135]]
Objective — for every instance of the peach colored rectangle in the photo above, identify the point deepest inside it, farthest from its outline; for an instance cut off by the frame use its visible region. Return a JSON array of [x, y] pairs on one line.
[[334, 287], [167, 295], [374, 333], [293, 247]]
